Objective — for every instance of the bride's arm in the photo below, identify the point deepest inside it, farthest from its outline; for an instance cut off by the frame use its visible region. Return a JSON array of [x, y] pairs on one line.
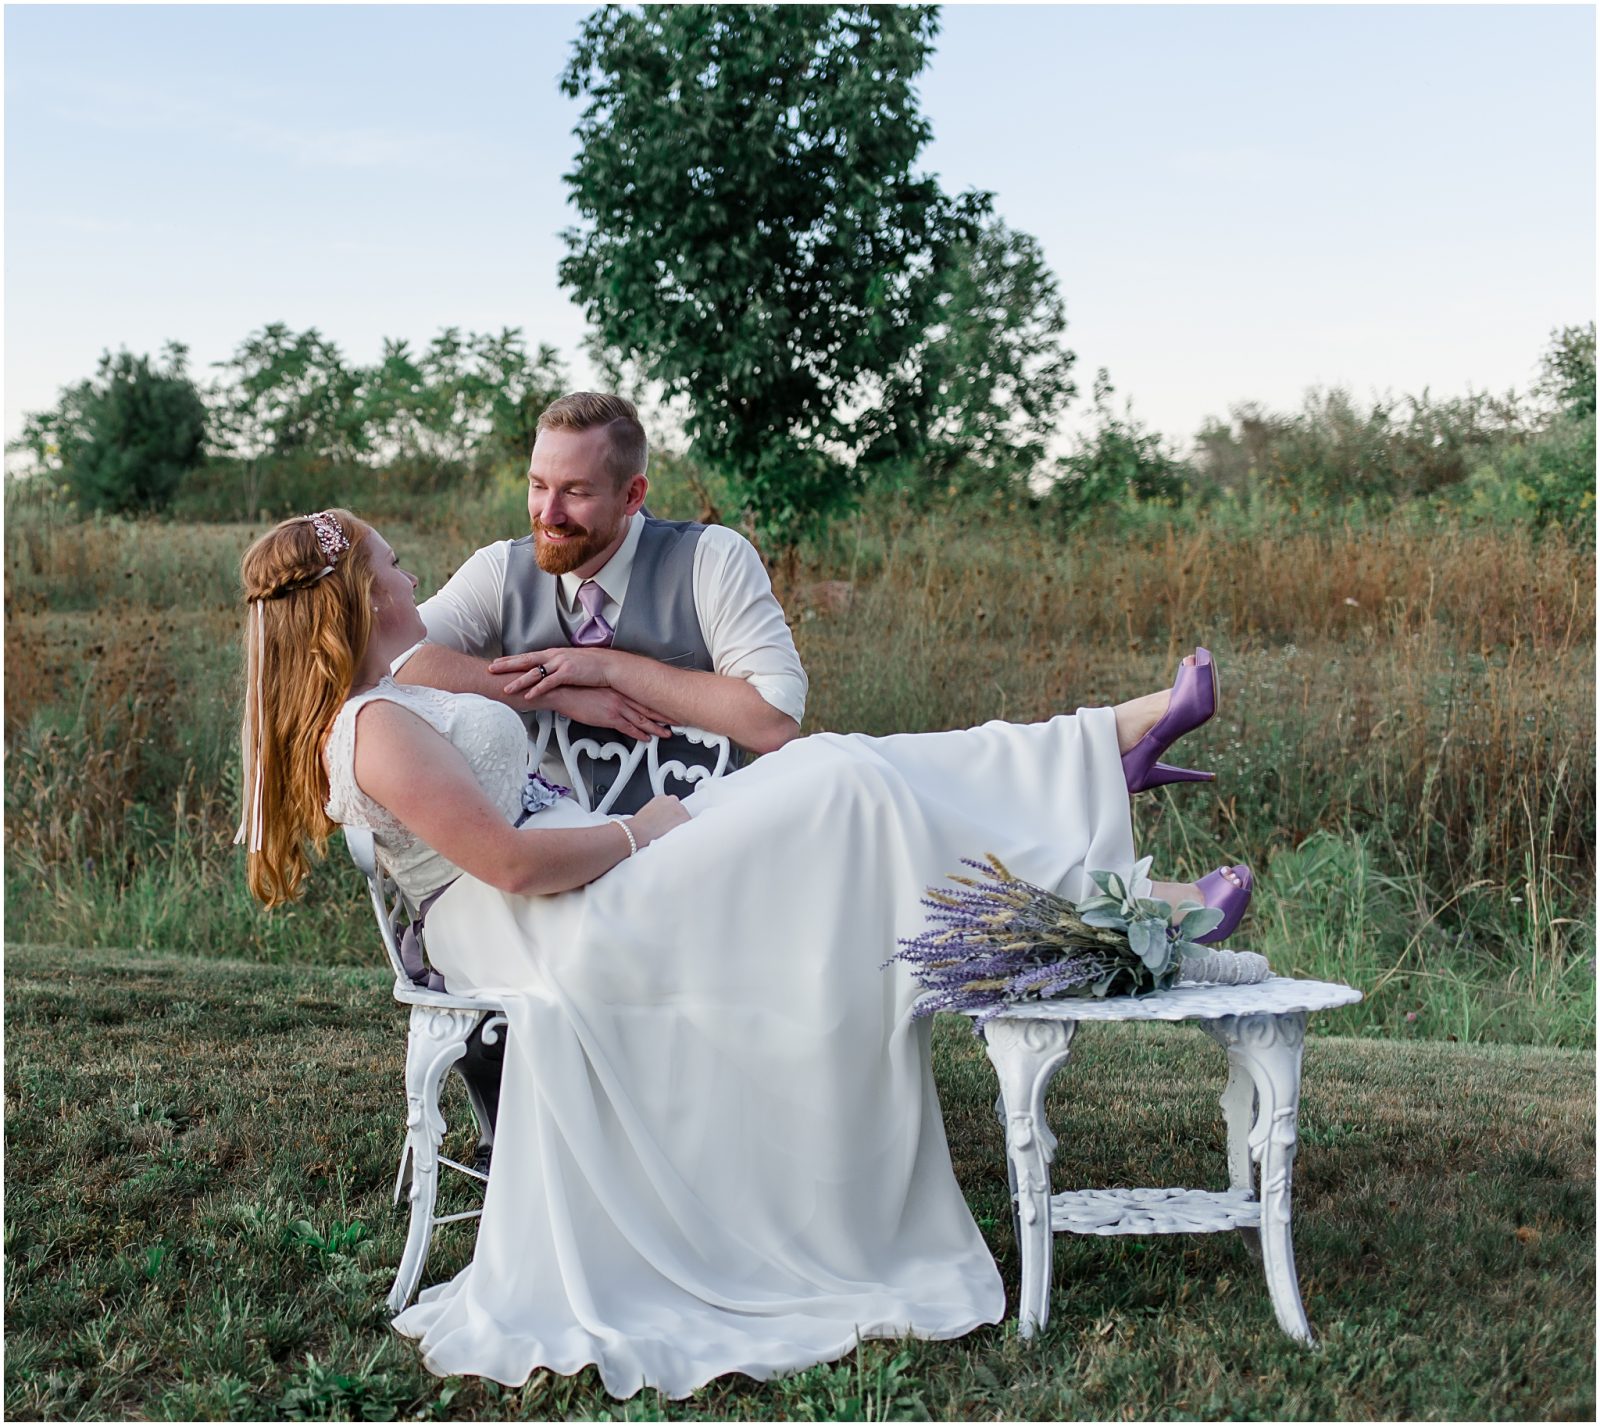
[[413, 771]]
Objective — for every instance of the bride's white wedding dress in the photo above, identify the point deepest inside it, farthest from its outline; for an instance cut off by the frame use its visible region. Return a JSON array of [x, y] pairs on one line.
[[719, 1145]]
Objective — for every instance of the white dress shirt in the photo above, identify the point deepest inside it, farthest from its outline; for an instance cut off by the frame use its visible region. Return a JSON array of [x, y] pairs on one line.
[[741, 620]]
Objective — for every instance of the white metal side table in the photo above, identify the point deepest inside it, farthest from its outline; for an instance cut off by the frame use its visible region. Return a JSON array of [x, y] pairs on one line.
[[1262, 1029]]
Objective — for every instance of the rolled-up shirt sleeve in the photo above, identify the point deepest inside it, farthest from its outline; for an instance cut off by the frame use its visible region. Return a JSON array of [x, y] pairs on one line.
[[465, 615], [742, 621]]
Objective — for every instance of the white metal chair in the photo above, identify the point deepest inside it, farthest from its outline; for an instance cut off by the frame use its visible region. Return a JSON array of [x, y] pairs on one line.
[[442, 1023]]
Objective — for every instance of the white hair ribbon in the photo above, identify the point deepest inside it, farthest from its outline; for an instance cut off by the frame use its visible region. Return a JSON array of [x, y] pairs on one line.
[[250, 818]]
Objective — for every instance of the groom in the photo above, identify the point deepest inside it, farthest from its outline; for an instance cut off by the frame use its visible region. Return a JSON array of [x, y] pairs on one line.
[[657, 622]]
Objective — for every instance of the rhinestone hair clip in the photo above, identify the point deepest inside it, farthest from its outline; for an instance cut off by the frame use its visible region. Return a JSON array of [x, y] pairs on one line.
[[331, 539]]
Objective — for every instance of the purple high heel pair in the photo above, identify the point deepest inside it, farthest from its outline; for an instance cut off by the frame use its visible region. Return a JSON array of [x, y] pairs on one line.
[[1193, 702]]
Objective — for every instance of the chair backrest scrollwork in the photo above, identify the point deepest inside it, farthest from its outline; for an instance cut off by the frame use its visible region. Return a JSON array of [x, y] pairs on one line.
[[627, 752], [690, 773]]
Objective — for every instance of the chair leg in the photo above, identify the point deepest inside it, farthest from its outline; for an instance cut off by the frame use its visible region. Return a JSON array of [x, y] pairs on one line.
[[1269, 1048], [480, 1115], [1025, 1055], [437, 1040], [493, 1027]]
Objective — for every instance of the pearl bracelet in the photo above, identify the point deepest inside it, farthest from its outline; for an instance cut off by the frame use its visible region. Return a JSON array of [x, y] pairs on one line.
[[627, 831]]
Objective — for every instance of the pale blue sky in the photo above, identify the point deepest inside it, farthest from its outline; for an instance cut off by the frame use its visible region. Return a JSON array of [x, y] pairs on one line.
[[1239, 201]]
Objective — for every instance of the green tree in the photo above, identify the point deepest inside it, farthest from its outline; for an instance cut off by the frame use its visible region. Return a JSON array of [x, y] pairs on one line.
[[392, 402], [756, 239], [519, 387], [285, 397], [1567, 370], [123, 440], [454, 395], [1118, 459], [1546, 476], [1236, 456], [469, 401], [987, 384], [1335, 452]]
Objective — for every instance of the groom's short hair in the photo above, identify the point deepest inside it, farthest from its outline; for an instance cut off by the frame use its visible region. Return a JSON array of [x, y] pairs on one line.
[[629, 451]]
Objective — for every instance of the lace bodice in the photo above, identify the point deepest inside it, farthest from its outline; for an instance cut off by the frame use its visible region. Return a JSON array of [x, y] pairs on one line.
[[487, 734]]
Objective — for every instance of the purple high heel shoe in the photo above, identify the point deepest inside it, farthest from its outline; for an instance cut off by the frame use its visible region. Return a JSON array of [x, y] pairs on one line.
[[1194, 700], [1217, 891]]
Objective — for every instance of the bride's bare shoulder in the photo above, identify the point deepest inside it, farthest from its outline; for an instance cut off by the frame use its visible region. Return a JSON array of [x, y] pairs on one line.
[[396, 747], [384, 721]]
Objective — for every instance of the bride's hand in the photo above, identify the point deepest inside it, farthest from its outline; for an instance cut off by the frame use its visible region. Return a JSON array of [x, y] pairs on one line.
[[659, 815]]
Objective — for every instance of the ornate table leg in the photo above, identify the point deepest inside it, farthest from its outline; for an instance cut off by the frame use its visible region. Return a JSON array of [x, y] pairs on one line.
[[1238, 1103], [437, 1040], [1268, 1049], [1011, 1174], [1025, 1054]]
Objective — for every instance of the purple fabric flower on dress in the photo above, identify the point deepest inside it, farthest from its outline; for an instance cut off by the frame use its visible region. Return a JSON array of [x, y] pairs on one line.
[[539, 792]]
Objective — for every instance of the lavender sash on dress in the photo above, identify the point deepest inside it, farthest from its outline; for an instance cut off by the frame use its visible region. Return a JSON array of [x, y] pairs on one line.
[[423, 976]]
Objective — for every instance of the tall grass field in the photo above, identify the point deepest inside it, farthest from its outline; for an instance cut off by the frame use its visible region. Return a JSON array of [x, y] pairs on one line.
[[1404, 751]]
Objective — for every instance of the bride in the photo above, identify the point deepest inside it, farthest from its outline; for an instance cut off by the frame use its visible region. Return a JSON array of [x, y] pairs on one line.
[[719, 1145]]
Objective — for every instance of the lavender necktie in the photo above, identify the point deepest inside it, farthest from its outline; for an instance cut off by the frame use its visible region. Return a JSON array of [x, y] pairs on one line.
[[593, 632]]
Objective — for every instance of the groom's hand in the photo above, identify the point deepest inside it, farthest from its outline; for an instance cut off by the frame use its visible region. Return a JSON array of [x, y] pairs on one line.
[[577, 682], [604, 708], [546, 669], [684, 697]]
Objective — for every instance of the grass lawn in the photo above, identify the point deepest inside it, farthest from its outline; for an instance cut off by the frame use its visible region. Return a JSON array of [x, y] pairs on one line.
[[199, 1156]]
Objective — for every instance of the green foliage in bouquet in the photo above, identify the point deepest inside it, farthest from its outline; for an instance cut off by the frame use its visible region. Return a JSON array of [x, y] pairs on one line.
[[1160, 942]]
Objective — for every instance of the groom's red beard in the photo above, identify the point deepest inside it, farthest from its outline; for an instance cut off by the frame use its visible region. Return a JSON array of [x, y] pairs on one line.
[[563, 556]]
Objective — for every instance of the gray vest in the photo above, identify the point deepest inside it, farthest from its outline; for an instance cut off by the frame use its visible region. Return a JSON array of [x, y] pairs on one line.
[[658, 620]]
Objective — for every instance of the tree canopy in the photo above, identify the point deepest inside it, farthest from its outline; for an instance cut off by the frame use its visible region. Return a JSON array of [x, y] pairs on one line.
[[990, 378], [756, 237], [124, 439], [467, 398], [1567, 370], [286, 393]]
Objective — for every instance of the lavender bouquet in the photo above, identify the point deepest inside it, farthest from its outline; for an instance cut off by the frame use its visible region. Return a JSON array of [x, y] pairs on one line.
[[1001, 941]]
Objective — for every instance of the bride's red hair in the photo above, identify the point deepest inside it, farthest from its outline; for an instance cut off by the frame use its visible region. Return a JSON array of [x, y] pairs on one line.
[[304, 640]]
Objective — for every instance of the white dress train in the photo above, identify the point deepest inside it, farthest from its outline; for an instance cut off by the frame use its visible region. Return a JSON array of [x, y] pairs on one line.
[[719, 1145]]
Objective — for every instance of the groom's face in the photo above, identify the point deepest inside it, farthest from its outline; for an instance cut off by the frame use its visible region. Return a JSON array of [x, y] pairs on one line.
[[577, 508]]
